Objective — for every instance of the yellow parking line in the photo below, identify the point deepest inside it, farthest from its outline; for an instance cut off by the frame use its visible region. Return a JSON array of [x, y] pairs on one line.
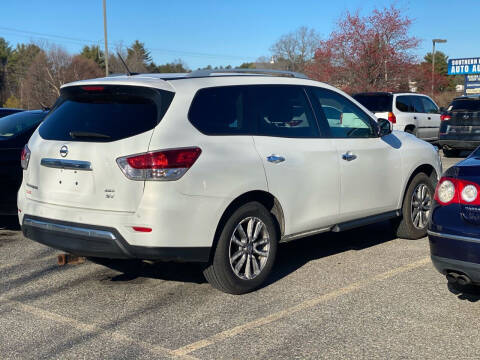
[[187, 349], [92, 329]]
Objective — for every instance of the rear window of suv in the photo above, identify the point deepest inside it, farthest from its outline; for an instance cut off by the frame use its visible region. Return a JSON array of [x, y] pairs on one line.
[[465, 105], [104, 113], [375, 102]]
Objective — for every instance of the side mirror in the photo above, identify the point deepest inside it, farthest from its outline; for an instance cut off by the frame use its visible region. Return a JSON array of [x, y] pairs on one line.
[[442, 109], [385, 127]]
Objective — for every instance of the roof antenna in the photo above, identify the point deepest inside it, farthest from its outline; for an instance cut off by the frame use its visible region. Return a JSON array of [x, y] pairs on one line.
[[124, 64]]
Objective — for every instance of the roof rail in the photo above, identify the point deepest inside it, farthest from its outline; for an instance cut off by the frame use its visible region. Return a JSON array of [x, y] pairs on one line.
[[271, 72]]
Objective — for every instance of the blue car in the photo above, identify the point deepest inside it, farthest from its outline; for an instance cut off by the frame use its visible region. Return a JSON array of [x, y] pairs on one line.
[[454, 228]]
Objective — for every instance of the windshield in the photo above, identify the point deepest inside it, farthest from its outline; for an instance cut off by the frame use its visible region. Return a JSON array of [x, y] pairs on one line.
[[15, 124], [465, 105], [375, 102]]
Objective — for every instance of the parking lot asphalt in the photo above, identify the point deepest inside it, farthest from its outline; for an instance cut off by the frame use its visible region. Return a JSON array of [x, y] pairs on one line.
[[359, 294]]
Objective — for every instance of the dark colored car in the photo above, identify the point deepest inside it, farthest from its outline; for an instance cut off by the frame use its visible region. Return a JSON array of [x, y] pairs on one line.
[[8, 111], [454, 229], [15, 131], [460, 125]]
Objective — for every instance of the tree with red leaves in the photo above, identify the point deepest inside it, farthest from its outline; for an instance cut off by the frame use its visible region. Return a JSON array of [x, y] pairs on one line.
[[371, 53]]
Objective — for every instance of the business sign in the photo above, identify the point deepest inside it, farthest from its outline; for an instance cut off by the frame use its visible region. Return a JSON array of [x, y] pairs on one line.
[[464, 66], [472, 84]]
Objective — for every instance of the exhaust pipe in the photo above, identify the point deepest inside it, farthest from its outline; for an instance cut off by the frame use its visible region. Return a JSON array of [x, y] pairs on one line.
[[460, 279], [452, 277], [463, 280]]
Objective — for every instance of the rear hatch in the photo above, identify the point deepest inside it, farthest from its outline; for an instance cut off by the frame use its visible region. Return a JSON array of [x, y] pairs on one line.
[[73, 156], [378, 103], [462, 117]]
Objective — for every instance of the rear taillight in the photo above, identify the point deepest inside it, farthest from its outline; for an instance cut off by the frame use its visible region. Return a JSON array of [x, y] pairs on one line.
[[445, 117], [165, 165], [25, 157], [457, 191], [392, 118]]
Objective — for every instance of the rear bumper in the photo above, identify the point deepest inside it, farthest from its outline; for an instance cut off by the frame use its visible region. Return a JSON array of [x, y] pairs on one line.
[[459, 144], [104, 242], [444, 265], [455, 253]]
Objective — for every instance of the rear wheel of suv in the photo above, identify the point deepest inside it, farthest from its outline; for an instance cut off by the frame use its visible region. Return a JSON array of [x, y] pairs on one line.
[[245, 251], [451, 152], [417, 204]]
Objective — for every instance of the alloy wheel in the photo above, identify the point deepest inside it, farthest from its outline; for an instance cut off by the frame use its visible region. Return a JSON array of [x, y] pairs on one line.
[[421, 206], [249, 248]]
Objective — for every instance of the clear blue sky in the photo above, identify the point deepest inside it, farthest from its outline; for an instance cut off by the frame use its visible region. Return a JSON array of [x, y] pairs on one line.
[[223, 32]]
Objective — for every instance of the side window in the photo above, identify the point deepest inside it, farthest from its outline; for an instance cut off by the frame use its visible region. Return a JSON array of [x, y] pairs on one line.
[[403, 104], [429, 106], [282, 111], [219, 111], [344, 118], [417, 104]]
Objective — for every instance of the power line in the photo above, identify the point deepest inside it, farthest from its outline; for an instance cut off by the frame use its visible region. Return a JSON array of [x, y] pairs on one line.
[[78, 41]]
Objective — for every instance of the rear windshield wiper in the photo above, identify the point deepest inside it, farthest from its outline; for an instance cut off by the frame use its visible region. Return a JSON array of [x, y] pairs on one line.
[[87, 134]]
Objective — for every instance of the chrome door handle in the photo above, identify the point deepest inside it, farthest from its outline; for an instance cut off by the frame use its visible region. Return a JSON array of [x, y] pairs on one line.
[[348, 156], [275, 159]]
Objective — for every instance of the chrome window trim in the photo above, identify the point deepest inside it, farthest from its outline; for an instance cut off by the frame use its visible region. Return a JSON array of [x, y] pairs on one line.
[[66, 164], [454, 237], [71, 230]]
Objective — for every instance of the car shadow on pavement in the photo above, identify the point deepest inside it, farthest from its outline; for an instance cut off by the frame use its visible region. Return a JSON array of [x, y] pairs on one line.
[[293, 255], [134, 269], [9, 222], [290, 256], [470, 293]]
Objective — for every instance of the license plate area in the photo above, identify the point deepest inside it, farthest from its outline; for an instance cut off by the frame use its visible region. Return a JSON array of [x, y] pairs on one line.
[[452, 129], [74, 181]]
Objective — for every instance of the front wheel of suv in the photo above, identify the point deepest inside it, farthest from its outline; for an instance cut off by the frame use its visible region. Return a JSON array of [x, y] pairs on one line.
[[417, 204], [245, 251]]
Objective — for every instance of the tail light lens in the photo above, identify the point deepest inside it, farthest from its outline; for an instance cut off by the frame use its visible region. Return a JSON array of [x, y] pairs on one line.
[[457, 191], [25, 157], [445, 117], [165, 165], [392, 118]]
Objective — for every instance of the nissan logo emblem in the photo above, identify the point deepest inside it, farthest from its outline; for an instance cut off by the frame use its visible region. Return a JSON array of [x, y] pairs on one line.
[[64, 151]]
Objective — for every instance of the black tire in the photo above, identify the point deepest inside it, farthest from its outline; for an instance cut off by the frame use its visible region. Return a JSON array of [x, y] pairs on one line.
[[412, 131], [404, 226], [220, 273], [451, 152]]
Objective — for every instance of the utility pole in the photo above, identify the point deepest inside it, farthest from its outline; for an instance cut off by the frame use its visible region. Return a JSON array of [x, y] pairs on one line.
[[105, 32], [433, 60]]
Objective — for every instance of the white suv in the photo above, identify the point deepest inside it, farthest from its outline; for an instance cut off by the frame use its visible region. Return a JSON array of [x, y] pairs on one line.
[[414, 113], [216, 168]]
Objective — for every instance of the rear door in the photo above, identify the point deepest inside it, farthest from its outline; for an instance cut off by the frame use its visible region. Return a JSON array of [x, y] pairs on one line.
[[73, 155], [424, 128], [432, 114], [370, 166], [300, 164]]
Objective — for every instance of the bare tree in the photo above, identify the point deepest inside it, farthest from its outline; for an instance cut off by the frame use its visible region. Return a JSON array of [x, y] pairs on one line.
[[295, 50], [51, 69]]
